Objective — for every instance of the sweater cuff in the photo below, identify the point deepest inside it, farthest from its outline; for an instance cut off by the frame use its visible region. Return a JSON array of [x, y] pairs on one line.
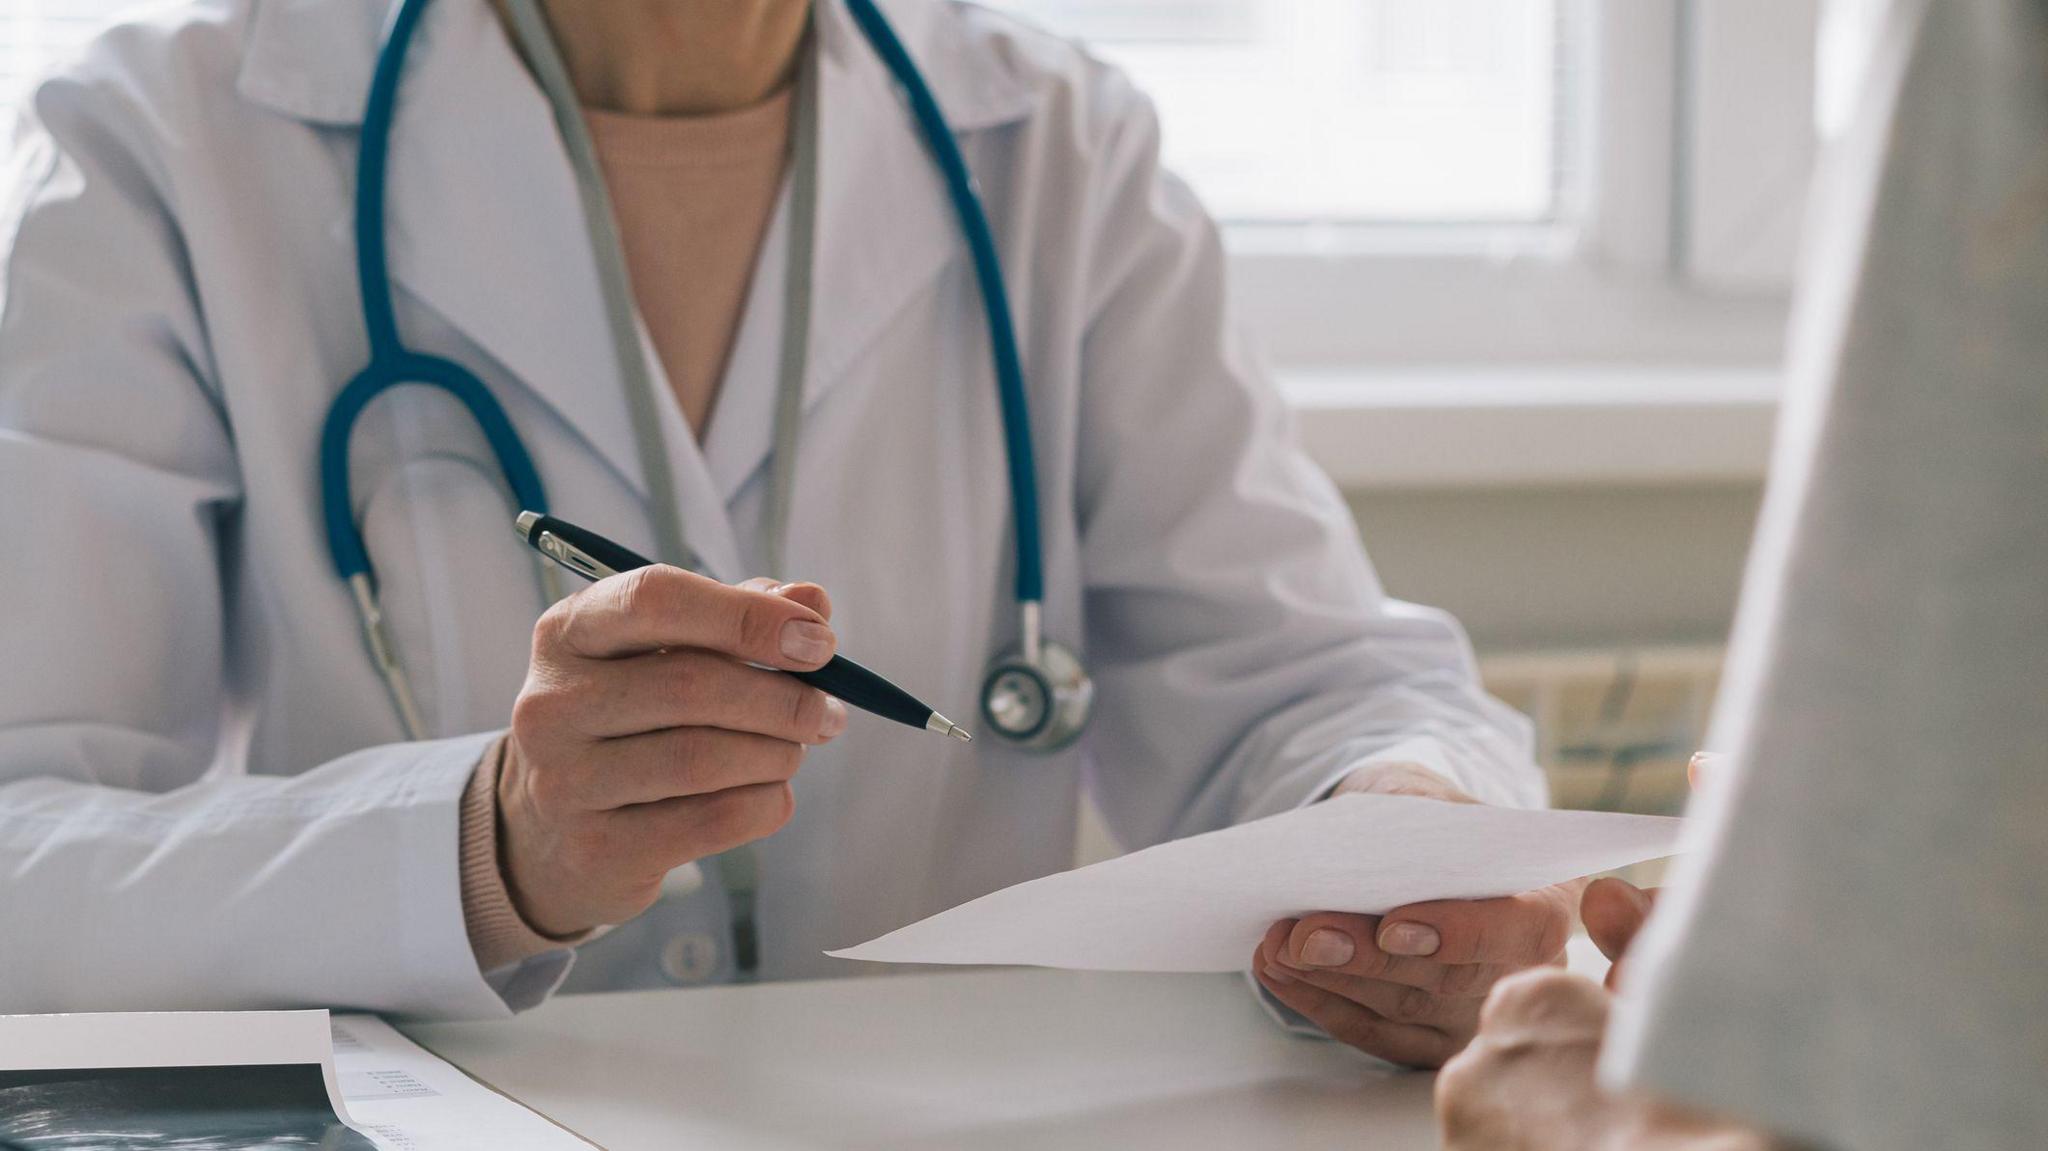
[[498, 934]]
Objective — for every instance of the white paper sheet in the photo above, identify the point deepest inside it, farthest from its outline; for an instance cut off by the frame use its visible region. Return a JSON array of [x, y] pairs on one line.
[[408, 1099], [1203, 903]]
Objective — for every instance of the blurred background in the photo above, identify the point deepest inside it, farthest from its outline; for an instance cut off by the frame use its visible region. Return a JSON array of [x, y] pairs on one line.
[[1524, 267]]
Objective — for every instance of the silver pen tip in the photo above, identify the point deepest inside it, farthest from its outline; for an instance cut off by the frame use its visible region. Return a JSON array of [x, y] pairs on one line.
[[944, 726], [524, 524]]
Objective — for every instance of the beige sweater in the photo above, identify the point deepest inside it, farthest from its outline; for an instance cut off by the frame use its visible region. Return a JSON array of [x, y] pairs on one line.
[[693, 196]]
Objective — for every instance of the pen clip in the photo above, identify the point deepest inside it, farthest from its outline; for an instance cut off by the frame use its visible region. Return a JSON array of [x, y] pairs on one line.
[[570, 556]]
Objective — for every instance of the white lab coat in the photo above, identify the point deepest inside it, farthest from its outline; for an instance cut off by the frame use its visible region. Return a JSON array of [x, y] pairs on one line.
[[205, 797]]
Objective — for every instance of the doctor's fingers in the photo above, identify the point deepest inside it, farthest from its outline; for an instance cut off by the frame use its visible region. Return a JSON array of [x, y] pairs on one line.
[[664, 607], [611, 698], [658, 765], [1394, 1002], [808, 594], [1345, 945], [1364, 1028], [664, 835], [1519, 930]]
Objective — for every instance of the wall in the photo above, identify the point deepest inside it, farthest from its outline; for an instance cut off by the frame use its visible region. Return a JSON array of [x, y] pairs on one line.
[[1535, 568], [1567, 567]]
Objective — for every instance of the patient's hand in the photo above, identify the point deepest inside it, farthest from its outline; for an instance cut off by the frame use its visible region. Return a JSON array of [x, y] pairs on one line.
[[1613, 911], [1407, 986], [1526, 1082]]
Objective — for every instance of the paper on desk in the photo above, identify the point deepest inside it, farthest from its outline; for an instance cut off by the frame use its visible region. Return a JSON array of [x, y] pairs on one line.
[[409, 1099], [1203, 903]]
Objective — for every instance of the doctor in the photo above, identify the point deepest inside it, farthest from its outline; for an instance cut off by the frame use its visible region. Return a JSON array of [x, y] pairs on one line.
[[705, 269]]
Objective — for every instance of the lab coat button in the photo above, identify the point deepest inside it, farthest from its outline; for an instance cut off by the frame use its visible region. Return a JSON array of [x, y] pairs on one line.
[[689, 958]]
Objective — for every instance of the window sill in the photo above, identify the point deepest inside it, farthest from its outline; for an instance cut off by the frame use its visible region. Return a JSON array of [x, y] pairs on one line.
[[1490, 427]]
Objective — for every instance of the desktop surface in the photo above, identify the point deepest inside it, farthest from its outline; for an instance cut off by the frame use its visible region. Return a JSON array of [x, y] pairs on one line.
[[1003, 1058]]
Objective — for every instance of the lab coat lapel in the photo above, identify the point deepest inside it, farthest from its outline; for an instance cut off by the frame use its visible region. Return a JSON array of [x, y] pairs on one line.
[[885, 228], [486, 228]]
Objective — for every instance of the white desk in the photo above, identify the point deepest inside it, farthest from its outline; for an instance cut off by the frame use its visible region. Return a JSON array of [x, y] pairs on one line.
[[967, 1059]]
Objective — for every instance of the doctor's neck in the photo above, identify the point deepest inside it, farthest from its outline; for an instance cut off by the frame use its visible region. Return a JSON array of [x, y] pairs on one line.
[[677, 57]]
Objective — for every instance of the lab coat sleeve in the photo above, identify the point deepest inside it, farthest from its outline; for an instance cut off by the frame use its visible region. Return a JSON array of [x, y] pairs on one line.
[[144, 863], [1245, 655]]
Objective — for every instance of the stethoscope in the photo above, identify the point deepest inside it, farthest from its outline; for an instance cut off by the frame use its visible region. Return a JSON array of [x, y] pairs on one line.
[[1035, 695]]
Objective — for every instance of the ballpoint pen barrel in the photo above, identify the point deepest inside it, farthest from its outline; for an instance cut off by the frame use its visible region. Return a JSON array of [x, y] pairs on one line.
[[861, 688], [841, 678]]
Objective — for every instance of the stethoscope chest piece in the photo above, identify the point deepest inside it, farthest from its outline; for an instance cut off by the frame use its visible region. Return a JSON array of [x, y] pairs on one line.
[[1038, 704]]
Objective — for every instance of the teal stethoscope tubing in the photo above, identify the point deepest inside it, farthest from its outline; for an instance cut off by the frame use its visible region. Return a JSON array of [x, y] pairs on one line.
[[988, 273], [392, 363]]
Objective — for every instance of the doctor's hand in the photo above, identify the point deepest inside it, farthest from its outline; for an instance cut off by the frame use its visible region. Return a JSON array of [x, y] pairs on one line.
[[642, 739], [1407, 986]]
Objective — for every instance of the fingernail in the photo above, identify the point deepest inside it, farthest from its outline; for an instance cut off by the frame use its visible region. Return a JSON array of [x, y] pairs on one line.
[[1325, 947], [805, 641], [1275, 973], [1409, 939], [835, 718]]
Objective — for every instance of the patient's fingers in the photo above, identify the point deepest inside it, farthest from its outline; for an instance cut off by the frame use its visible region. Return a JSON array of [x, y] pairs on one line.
[[1546, 1004], [1613, 912]]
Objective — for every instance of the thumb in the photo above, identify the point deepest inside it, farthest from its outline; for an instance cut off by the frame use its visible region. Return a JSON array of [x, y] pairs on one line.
[[1613, 911], [808, 594]]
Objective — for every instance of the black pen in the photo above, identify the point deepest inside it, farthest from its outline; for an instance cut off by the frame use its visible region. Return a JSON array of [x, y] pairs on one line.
[[594, 557]]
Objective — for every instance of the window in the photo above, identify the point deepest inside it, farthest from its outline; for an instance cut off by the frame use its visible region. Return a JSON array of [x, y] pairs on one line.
[[1444, 181], [1484, 182], [1346, 111]]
